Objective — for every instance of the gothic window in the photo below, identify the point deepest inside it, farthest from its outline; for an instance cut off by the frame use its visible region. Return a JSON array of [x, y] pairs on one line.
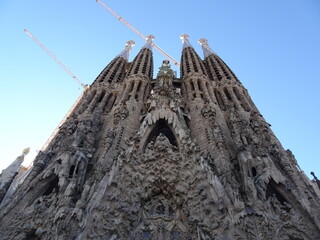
[[131, 84], [219, 99], [254, 172], [101, 96], [199, 85], [192, 85], [186, 119], [110, 102], [106, 101], [227, 94], [241, 99], [92, 95], [235, 90], [71, 172]]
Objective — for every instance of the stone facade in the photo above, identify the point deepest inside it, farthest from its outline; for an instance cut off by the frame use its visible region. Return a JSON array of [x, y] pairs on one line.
[[164, 158]]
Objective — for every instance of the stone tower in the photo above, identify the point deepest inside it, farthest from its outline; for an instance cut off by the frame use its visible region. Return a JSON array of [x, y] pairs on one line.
[[164, 158]]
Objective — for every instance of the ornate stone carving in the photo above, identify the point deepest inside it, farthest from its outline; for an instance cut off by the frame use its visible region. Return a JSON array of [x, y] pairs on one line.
[[176, 167], [120, 113]]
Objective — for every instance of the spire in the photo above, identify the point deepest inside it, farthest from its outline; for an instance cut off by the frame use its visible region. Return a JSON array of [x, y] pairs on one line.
[[185, 40], [190, 60], [216, 67], [149, 43], [207, 51], [116, 69], [126, 51], [7, 176], [143, 62]]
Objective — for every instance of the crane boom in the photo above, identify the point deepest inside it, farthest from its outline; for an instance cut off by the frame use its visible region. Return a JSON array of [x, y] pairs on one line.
[[136, 31], [67, 70], [56, 130]]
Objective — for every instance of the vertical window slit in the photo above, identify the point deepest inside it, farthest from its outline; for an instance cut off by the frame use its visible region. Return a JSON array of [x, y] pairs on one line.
[[227, 94], [219, 100], [101, 96]]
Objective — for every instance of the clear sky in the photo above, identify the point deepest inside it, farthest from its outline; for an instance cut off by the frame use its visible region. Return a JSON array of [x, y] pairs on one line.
[[272, 46]]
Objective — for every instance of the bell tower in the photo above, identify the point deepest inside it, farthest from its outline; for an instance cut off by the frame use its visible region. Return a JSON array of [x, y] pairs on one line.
[[169, 157]]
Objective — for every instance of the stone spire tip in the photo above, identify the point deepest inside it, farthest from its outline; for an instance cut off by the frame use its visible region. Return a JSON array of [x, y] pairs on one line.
[[207, 51], [125, 53], [185, 40], [149, 43]]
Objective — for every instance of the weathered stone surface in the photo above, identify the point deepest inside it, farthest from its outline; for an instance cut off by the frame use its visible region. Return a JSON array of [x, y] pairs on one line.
[[165, 158]]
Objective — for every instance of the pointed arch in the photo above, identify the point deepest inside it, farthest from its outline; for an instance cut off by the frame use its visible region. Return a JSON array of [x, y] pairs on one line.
[[46, 187], [161, 126]]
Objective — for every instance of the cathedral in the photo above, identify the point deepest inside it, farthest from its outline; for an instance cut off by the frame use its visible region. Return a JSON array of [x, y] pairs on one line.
[[159, 158]]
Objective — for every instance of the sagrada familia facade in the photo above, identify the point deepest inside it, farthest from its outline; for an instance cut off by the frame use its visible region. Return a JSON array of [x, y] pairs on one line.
[[169, 157]]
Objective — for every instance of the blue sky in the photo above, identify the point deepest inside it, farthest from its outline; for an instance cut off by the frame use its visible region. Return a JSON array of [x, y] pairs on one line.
[[272, 46]]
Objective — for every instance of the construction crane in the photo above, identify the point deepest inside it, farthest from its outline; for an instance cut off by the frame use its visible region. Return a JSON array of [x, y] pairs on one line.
[[67, 70], [56, 130], [136, 31]]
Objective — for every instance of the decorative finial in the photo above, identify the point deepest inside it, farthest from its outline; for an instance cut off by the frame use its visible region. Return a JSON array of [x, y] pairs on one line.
[[207, 51], [149, 43], [25, 151], [185, 40], [125, 53]]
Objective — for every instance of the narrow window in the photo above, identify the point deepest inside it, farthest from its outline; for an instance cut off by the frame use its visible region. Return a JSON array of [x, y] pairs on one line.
[[254, 172], [219, 100], [71, 172], [227, 94]]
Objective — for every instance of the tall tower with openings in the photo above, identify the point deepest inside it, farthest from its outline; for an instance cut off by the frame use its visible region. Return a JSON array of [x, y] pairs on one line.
[[164, 157]]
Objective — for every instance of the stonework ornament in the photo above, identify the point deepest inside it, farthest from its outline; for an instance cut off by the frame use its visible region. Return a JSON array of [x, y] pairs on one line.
[[161, 159]]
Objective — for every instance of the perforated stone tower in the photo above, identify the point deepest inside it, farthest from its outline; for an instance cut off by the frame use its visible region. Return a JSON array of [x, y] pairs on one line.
[[164, 158]]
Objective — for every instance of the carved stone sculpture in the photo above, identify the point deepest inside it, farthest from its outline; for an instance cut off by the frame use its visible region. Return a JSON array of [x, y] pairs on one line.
[[165, 158]]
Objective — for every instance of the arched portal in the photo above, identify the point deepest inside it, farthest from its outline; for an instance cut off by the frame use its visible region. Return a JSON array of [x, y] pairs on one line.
[[161, 126]]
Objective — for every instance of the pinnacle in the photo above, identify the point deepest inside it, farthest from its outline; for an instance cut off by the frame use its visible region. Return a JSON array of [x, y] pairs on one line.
[[185, 40], [125, 53], [149, 43], [207, 51]]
